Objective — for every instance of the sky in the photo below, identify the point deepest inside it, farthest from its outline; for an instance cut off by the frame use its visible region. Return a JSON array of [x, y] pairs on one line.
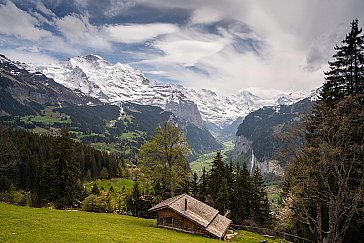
[[264, 46]]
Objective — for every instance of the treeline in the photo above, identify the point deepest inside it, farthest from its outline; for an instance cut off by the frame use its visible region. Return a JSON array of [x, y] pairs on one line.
[[24, 157], [229, 187], [325, 182]]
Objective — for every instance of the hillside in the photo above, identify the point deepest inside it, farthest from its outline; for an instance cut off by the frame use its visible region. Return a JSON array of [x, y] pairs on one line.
[[257, 142], [24, 224], [35, 102]]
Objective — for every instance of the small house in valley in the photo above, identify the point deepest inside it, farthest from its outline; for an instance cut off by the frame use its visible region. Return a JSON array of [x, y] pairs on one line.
[[188, 214]]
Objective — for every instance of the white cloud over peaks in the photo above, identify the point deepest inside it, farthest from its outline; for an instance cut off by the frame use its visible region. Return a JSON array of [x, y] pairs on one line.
[[28, 56], [205, 15], [78, 30], [18, 23], [138, 33]]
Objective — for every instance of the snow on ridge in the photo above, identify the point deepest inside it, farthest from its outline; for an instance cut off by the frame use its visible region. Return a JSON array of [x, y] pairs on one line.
[[117, 83]]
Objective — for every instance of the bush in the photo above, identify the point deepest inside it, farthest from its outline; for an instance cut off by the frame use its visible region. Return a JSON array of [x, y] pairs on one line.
[[103, 203]]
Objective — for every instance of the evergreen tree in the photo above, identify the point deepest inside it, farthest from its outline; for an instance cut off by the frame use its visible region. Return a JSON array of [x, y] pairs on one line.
[[259, 204], [326, 181], [95, 189], [230, 176], [61, 183], [217, 180], [221, 202], [9, 154], [133, 202], [194, 186], [242, 206], [203, 186], [346, 74]]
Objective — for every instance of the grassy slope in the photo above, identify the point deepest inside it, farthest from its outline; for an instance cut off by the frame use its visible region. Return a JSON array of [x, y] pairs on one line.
[[250, 237], [24, 224], [116, 183]]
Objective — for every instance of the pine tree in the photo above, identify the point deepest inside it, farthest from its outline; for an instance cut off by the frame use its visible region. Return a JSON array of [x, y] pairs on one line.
[[203, 186], [221, 202], [133, 201], [242, 206], [217, 184], [95, 189], [260, 204], [194, 186], [327, 178], [230, 176], [61, 183], [216, 176], [346, 74]]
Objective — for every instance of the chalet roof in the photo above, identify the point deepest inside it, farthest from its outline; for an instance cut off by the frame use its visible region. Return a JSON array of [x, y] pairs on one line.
[[197, 211], [219, 225]]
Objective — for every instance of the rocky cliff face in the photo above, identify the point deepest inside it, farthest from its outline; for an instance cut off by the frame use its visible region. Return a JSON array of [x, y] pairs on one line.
[[256, 138], [184, 108]]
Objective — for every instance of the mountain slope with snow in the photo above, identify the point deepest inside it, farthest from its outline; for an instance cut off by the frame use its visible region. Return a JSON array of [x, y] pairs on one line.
[[117, 83]]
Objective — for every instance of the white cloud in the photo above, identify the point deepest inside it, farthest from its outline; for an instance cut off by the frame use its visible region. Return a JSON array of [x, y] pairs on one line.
[[138, 33], [205, 15], [78, 30], [18, 23], [28, 56], [118, 6], [296, 39]]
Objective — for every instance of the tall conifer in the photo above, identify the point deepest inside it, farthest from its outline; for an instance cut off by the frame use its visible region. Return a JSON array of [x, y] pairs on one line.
[[61, 182]]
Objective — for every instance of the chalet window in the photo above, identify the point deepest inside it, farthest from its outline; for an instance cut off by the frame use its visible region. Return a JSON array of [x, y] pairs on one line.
[[177, 223], [171, 221], [168, 220]]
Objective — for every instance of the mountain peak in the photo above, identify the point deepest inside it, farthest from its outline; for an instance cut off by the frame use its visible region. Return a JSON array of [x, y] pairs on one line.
[[3, 58], [118, 83]]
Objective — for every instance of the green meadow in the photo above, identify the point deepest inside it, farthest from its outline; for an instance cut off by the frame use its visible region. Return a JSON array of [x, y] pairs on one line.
[[25, 224], [116, 183]]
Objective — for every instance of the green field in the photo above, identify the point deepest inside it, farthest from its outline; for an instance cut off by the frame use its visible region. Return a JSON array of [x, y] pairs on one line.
[[250, 237], [116, 183], [205, 160], [48, 116], [25, 224]]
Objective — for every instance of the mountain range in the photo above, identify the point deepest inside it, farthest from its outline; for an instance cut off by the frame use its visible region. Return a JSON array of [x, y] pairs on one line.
[[33, 101], [117, 83], [115, 105]]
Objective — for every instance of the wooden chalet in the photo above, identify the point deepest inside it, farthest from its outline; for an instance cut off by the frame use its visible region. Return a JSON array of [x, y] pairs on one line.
[[185, 213]]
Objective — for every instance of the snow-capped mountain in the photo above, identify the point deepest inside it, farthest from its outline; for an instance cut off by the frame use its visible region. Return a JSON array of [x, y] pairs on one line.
[[116, 83]]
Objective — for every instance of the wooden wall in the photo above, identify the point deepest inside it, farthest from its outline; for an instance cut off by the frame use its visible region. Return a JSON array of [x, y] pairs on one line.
[[186, 224]]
